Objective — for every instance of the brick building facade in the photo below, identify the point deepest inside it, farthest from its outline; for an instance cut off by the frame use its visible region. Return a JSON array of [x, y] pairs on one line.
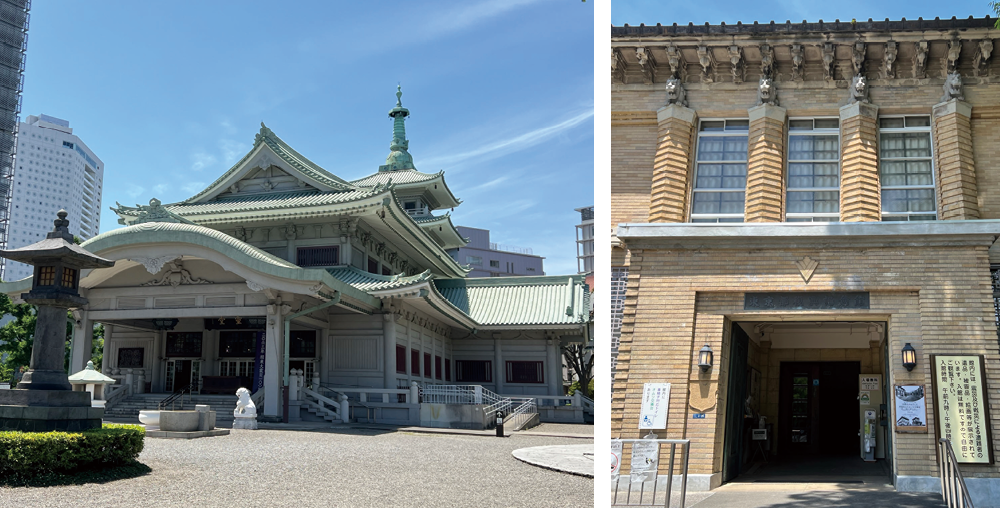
[[812, 162]]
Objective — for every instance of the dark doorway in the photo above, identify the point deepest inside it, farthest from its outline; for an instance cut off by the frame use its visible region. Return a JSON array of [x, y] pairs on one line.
[[818, 408], [182, 374], [735, 424]]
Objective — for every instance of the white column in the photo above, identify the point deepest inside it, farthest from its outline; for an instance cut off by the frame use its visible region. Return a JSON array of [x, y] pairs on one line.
[[389, 350], [554, 364], [499, 369], [83, 341], [272, 359]]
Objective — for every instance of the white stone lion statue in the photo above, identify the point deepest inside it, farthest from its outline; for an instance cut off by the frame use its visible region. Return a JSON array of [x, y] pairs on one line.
[[244, 406], [675, 92], [859, 89], [953, 88], [766, 94]]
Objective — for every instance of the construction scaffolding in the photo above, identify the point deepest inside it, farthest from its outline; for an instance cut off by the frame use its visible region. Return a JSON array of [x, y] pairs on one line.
[[13, 43]]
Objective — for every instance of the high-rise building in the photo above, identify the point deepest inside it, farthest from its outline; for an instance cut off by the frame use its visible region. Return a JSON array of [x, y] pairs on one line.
[[55, 170], [585, 240], [13, 42], [491, 259]]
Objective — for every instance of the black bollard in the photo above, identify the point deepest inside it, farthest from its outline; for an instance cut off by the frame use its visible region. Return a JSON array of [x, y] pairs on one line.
[[499, 423]]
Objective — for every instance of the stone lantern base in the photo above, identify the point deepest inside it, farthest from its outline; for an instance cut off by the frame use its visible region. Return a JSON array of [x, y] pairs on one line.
[[48, 410]]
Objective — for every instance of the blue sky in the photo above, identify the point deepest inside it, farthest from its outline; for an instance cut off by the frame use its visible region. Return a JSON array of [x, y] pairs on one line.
[[170, 94], [652, 12]]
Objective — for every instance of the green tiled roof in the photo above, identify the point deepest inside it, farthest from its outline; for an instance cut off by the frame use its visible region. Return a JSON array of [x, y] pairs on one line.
[[399, 177], [549, 300], [258, 202], [372, 282], [287, 154]]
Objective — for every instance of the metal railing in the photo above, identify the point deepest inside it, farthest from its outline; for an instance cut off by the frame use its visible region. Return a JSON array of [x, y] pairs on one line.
[[459, 394], [645, 496], [522, 414], [172, 399], [953, 488]]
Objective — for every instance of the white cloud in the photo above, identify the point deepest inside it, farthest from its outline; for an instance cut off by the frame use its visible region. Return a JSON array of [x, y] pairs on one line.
[[133, 191], [510, 145], [490, 184], [160, 188], [194, 187], [202, 160], [232, 151]]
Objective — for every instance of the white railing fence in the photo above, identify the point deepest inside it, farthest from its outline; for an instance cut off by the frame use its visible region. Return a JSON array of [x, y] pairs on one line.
[[635, 475], [113, 394], [953, 489], [523, 410], [339, 409], [458, 394]]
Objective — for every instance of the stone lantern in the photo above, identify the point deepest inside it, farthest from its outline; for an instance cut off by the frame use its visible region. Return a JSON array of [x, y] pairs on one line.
[[44, 400]]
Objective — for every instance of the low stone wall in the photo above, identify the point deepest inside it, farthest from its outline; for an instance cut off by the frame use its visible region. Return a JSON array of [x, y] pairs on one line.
[[455, 416]]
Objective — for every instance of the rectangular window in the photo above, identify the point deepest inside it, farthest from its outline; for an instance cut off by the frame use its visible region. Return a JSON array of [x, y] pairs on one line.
[[414, 362], [372, 265], [130, 357], [427, 365], [447, 369], [319, 256], [494, 263], [357, 258], [46, 275], [401, 359], [720, 171], [813, 170], [437, 367], [473, 371], [619, 281], [302, 344], [907, 169], [68, 278], [524, 372], [474, 260], [183, 344], [240, 344]]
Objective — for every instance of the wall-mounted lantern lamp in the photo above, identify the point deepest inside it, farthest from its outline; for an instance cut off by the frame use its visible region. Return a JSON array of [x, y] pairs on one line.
[[165, 324], [909, 357], [705, 358]]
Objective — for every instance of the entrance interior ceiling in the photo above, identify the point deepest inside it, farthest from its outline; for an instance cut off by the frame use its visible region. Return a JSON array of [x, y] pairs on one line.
[[815, 334]]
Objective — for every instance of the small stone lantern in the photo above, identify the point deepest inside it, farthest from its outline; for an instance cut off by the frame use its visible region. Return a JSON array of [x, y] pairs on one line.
[[54, 289]]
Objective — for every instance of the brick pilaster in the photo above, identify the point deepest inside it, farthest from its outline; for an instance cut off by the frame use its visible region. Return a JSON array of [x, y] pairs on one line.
[[860, 192], [668, 196], [953, 161], [765, 164]]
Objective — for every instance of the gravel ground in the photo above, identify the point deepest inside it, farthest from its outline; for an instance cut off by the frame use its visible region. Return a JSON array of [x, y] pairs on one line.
[[350, 468]]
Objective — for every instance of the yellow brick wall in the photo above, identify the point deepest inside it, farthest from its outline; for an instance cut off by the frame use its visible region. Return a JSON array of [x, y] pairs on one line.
[[938, 299]]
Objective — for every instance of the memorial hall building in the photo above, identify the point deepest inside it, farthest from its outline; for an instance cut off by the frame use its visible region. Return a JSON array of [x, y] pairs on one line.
[[281, 273], [804, 218]]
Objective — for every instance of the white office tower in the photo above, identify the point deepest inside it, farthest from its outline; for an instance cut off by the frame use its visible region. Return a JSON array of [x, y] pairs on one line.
[[54, 170]]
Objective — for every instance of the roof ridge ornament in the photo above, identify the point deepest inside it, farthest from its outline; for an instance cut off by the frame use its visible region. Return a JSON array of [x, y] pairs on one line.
[[156, 212], [264, 132], [399, 158]]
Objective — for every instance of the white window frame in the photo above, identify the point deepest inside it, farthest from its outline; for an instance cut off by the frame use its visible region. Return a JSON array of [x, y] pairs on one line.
[[715, 217], [933, 185], [788, 161]]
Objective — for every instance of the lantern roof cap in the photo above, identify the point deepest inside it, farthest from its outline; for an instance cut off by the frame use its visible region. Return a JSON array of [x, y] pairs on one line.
[[57, 245]]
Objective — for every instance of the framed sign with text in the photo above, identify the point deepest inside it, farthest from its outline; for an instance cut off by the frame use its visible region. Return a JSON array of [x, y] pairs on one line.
[[911, 408], [961, 409]]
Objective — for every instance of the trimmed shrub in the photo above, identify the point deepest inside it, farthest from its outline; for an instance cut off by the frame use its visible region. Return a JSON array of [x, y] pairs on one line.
[[32, 453]]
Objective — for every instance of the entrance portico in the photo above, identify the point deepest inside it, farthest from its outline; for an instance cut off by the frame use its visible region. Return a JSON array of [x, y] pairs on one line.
[[694, 284]]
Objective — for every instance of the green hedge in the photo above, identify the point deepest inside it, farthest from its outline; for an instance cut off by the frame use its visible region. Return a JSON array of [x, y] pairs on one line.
[[31, 453]]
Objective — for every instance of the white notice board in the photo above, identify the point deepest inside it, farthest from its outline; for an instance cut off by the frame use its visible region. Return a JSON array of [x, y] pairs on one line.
[[655, 399]]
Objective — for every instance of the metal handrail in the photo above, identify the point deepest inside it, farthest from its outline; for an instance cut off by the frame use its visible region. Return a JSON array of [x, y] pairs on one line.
[[953, 488], [686, 445], [522, 413], [178, 394]]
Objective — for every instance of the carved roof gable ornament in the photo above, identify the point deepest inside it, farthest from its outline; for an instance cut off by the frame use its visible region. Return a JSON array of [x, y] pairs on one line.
[[920, 59], [807, 266], [982, 59], [766, 93], [829, 60], [858, 90], [954, 51], [798, 58], [176, 275], [675, 92], [155, 212], [858, 57], [766, 60]]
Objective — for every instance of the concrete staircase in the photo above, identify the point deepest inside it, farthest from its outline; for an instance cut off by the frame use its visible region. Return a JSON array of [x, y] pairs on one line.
[[129, 407]]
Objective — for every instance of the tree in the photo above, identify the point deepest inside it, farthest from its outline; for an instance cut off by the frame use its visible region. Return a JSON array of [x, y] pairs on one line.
[[97, 350], [580, 361], [996, 8]]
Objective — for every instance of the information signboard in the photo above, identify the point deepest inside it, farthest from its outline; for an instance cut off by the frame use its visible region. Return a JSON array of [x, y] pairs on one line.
[[644, 457], [961, 409], [911, 408], [655, 399], [616, 458]]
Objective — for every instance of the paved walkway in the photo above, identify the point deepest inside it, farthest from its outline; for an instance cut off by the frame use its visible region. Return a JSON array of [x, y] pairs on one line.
[[572, 459], [816, 495]]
